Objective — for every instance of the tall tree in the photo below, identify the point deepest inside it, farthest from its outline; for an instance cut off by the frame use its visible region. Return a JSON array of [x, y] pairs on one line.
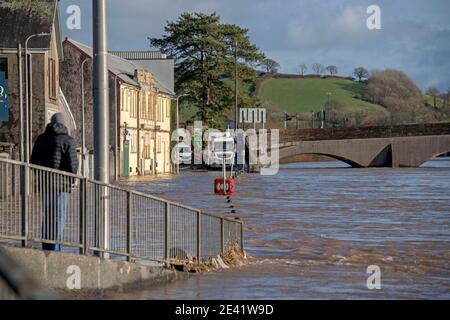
[[203, 49], [361, 73], [318, 68], [270, 66], [332, 70], [303, 68]]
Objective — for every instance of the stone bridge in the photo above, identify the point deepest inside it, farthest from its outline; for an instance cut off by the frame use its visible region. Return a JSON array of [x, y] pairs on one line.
[[388, 146]]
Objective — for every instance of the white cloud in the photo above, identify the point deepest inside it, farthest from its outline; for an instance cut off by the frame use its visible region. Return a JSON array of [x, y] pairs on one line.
[[415, 35]]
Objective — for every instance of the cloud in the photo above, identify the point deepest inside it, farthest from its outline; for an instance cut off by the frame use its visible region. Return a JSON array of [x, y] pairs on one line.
[[415, 35]]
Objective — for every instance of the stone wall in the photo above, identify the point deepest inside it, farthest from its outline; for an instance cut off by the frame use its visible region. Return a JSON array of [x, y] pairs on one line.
[[364, 132]]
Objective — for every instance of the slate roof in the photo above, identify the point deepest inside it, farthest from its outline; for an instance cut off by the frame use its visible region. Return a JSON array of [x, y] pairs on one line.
[[161, 66], [119, 66]]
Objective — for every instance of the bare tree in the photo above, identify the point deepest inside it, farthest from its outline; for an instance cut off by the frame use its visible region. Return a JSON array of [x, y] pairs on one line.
[[270, 66], [361, 73], [303, 68], [318, 68], [395, 91], [434, 92], [332, 70]]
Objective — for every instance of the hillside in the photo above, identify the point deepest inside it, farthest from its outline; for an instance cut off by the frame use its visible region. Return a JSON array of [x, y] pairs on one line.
[[302, 95]]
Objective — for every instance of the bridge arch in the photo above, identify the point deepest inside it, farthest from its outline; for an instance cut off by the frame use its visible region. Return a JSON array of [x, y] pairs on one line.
[[350, 162], [383, 152]]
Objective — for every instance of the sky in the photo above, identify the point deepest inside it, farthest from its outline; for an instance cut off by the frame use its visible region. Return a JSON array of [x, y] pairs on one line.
[[414, 35]]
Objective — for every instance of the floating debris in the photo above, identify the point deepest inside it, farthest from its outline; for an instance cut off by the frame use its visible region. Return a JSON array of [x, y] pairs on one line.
[[232, 257]]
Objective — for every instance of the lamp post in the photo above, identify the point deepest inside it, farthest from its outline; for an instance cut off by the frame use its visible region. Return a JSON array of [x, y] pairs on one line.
[[28, 95], [101, 115], [83, 134], [178, 126], [116, 126]]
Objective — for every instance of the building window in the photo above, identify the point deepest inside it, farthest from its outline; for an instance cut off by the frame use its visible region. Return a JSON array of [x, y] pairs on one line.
[[148, 105], [52, 78], [158, 144], [133, 107], [158, 111], [122, 99], [152, 108], [133, 143], [4, 66], [145, 104], [147, 150], [167, 108]]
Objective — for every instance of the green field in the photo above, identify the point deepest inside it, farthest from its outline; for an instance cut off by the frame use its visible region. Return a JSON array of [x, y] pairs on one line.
[[303, 95], [310, 94]]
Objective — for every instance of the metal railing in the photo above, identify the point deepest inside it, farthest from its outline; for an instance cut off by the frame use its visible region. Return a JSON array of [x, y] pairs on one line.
[[67, 210]]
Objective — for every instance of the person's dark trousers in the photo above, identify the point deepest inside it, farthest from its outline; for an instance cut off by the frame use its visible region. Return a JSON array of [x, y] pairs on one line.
[[54, 209]]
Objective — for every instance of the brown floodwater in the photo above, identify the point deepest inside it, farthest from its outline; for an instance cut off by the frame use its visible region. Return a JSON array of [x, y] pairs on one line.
[[314, 228]]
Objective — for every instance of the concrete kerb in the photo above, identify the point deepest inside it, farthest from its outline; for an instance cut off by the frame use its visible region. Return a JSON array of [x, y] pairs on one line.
[[98, 277]]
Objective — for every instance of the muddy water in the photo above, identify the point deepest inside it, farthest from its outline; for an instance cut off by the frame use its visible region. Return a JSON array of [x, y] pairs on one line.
[[313, 229]]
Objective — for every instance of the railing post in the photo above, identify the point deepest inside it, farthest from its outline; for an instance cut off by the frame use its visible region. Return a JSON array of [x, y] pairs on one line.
[[83, 215], [167, 231], [222, 236], [199, 234], [129, 243], [24, 192]]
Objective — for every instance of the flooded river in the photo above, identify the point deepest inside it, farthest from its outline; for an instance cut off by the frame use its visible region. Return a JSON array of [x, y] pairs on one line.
[[314, 228]]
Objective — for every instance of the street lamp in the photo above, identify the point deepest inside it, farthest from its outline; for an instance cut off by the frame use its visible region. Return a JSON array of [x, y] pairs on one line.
[[28, 110], [178, 126]]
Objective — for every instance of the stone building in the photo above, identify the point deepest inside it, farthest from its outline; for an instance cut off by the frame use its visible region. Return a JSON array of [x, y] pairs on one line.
[[140, 133], [19, 20]]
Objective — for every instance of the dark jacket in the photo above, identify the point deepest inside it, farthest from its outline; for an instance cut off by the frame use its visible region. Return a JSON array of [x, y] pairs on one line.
[[55, 149]]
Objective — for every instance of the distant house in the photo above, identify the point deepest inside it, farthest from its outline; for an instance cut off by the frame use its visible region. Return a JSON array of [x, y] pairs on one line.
[[19, 20], [141, 101]]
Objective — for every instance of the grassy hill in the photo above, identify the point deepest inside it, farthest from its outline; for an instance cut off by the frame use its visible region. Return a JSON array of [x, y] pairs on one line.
[[301, 95]]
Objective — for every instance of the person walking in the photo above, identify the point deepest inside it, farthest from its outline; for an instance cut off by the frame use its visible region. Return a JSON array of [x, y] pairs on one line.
[[55, 149]]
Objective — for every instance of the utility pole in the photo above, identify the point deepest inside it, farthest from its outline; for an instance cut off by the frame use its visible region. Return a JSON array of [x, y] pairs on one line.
[[236, 85], [101, 115]]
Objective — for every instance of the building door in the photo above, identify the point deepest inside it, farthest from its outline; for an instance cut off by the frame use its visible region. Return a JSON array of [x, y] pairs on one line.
[[126, 158]]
